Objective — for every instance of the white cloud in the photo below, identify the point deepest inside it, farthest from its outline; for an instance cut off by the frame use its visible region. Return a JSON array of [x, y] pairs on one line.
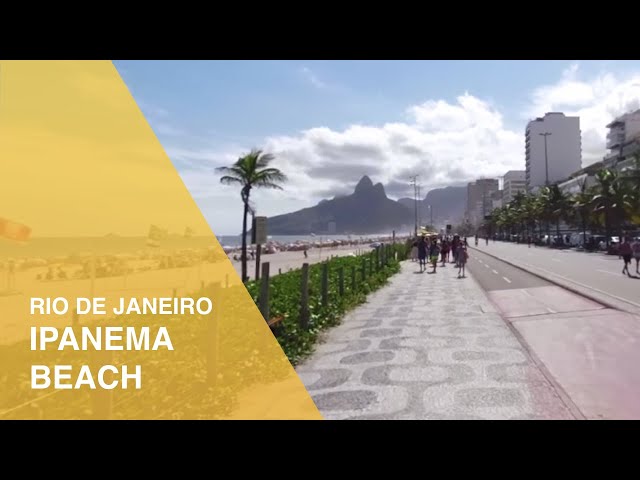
[[596, 101], [312, 78], [444, 142]]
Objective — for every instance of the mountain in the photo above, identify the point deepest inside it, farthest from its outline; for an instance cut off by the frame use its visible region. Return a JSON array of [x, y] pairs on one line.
[[448, 204], [367, 210]]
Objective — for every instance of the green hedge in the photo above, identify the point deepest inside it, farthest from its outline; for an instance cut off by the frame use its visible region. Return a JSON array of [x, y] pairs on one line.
[[285, 297]]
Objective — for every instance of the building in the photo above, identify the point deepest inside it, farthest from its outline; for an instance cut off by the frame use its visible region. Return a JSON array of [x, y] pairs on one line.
[[479, 199], [623, 140], [553, 149], [514, 182]]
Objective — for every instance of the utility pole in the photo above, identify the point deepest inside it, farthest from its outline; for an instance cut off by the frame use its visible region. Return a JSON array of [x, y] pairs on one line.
[[418, 206], [414, 184]]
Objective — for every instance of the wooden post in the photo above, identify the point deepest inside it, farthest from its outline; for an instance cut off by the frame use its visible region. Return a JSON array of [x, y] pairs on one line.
[[353, 278], [371, 263], [364, 269], [102, 399], [341, 281], [325, 284], [264, 292], [258, 251], [304, 297], [212, 335], [279, 271]]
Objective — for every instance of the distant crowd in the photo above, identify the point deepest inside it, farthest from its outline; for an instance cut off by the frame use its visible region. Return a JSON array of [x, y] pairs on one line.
[[440, 248]]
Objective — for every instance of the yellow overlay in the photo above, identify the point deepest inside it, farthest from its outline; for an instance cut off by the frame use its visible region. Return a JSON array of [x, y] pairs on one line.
[[93, 207]]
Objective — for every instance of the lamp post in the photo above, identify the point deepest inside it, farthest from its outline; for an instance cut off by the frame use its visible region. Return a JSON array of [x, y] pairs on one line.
[[414, 184]]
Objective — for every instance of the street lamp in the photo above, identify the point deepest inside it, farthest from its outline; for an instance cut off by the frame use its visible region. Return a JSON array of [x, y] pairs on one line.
[[414, 183]]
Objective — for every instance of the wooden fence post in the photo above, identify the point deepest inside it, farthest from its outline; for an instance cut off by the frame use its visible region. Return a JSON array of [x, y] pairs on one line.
[[364, 269], [341, 281], [371, 263], [264, 292], [258, 251], [212, 334], [325, 284], [304, 297], [353, 278], [102, 399]]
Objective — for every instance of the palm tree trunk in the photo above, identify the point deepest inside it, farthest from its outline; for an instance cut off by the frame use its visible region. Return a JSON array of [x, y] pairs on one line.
[[244, 240]]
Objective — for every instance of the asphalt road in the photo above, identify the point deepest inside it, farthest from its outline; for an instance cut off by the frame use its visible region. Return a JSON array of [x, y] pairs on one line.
[[595, 271], [493, 274]]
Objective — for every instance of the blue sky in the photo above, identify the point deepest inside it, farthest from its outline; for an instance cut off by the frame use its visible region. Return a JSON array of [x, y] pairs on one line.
[[460, 118]]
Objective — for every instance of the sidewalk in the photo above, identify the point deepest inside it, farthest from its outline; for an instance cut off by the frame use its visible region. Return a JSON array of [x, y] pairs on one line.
[[428, 347]]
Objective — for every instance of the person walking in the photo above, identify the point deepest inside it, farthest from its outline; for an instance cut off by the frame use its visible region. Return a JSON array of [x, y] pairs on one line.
[[635, 248], [445, 252], [414, 251], [625, 252], [434, 254], [422, 254], [463, 255]]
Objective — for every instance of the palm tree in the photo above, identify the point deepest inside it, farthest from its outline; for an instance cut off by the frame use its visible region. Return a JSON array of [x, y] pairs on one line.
[[614, 200], [630, 176], [251, 170], [582, 202]]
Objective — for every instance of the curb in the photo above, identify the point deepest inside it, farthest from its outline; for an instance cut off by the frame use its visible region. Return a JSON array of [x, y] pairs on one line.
[[621, 305]]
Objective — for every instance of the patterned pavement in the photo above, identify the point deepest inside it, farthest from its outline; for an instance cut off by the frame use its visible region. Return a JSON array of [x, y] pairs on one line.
[[427, 347]]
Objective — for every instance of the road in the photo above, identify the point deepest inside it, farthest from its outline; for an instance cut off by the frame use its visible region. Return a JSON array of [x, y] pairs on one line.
[[587, 351], [591, 273], [493, 274]]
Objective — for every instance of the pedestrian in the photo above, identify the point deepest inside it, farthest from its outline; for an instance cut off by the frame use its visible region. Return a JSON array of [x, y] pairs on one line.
[[445, 252], [306, 255], [626, 252], [414, 251], [434, 254], [422, 254], [635, 247], [462, 261]]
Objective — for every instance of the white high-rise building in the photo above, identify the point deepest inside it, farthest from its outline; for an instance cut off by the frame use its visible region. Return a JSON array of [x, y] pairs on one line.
[[514, 181], [563, 149], [623, 139]]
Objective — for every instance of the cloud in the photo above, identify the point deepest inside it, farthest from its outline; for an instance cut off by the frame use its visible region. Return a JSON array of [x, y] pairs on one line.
[[596, 100], [445, 142], [312, 78]]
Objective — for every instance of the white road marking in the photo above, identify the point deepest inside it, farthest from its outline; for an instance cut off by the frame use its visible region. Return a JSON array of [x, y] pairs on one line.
[[506, 279], [494, 271], [610, 273]]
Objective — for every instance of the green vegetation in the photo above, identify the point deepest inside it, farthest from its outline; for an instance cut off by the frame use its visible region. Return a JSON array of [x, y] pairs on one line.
[[285, 297]]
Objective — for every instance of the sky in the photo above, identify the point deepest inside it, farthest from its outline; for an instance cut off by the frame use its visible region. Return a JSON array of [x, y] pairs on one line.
[[328, 123]]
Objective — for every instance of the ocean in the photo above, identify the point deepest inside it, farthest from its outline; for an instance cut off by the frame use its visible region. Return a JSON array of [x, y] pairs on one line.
[[236, 240]]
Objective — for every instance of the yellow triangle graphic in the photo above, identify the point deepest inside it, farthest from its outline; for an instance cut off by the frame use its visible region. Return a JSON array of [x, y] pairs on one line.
[[90, 207]]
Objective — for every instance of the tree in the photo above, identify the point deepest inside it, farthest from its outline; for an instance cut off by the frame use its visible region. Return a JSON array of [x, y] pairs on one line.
[[582, 203], [630, 176], [251, 171], [612, 201]]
